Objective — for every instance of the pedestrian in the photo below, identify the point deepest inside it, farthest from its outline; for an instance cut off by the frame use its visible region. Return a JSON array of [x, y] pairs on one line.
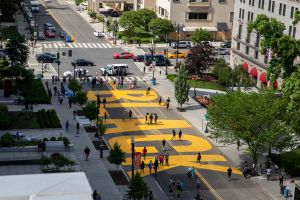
[[105, 116], [55, 90], [150, 166], [47, 84], [168, 105], [268, 174], [52, 79], [144, 69], [281, 179], [238, 143], [98, 100], [170, 186], [150, 196], [187, 100], [151, 118], [104, 102], [155, 165], [148, 91], [147, 118], [67, 125], [130, 114], [43, 146], [198, 183], [142, 166], [77, 128], [198, 197], [174, 134], [229, 173], [163, 144], [101, 82], [70, 102], [180, 134], [156, 157], [60, 99], [159, 101], [87, 152], [144, 152], [155, 118], [268, 164], [178, 187], [161, 159], [74, 114], [168, 100], [199, 157], [167, 158], [124, 115], [95, 193]]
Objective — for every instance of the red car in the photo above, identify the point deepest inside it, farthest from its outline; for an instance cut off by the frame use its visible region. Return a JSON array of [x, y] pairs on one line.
[[123, 55], [49, 34]]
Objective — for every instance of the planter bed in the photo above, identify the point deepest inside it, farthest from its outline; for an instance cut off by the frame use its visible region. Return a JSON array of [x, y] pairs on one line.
[[118, 177], [90, 129], [204, 101]]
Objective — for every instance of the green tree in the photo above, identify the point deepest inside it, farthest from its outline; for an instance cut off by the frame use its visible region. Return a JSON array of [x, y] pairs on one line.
[[17, 51], [161, 27], [8, 9], [200, 58], [100, 18], [92, 14], [258, 119], [101, 128], [116, 155], [137, 188], [130, 20], [181, 85], [90, 110], [115, 28], [80, 98], [78, 2], [108, 24], [201, 35], [74, 85], [4, 117], [146, 16]]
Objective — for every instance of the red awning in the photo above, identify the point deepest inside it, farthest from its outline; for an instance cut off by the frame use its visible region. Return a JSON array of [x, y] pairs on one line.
[[245, 66], [253, 72], [263, 77]]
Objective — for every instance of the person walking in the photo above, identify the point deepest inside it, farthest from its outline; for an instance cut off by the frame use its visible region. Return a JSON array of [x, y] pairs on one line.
[[229, 173], [130, 114], [151, 118], [159, 101], [155, 118], [55, 90], [155, 166], [180, 134], [60, 99], [199, 157], [174, 134], [150, 166], [87, 152], [198, 183], [281, 179], [147, 118], [105, 116], [77, 128], [144, 153], [124, 115], [98, 100], [163, 142], [179, 188], [167, 158], [67, 125], [70, 102], [144, 69], [170, 186], [104, 102], [238, 143], [198, 197], [168, 105], [150, 196], [161, 159], [74, 114], [142, 166]]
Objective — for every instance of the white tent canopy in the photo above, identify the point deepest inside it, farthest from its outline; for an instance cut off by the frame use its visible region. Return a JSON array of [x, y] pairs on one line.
[[191, 29], [58, 186]]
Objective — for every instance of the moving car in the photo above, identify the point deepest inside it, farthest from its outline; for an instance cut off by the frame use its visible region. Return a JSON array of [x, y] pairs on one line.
[[138, 58], [123, 55], [221, 51], [82, 62], [34, 6], [181, 44], [99, 34], [160, 60], [46, 58], [41, 36], [49, 26], [226, 44], [115, 69], [49, 34], [174, 54]]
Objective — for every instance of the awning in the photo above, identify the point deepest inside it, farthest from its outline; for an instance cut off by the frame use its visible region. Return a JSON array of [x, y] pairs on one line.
[[263, 77], [245, 66], [222, 26], [253, 72], [191, 29]]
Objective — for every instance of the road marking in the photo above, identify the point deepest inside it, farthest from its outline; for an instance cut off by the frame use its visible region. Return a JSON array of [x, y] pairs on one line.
[[55, 45], [138, 78], [70, 45], [60, 44], [84, 45], [75, 45], [79, 45], [89, 45], [99, 45], [104, 45], [94, 45], [109, 46]]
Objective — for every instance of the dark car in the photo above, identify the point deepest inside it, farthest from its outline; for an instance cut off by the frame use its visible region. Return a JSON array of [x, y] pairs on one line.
[[160, 60], [138, 58], [82, 62], [46, 58], [226, 44]]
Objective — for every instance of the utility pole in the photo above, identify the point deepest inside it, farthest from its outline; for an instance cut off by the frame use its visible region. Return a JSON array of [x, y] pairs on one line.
[[58, 63]]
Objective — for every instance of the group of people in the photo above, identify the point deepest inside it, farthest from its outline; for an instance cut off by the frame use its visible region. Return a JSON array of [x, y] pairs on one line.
[[167, 104], [126, 114], [150, 118], [99, 102], [174, 134]]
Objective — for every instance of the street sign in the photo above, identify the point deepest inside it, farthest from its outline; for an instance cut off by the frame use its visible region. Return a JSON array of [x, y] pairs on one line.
[[137, 158], [206, 117]]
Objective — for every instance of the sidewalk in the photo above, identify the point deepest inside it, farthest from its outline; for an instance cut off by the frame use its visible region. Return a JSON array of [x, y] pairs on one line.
[[195, 116]]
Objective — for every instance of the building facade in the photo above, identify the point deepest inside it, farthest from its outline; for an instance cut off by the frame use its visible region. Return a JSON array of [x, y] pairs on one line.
[[245, 46], [213, 15], [117, 5]]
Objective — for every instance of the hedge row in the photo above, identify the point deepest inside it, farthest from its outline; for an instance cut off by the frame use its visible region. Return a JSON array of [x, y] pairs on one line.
[[48, 119], [43, 97]]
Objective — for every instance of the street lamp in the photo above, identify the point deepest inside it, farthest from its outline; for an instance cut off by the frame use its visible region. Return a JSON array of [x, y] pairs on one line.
[[132, 156], [177, 44]]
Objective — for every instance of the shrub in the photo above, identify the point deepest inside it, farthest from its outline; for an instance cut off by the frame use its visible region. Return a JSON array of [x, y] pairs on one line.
[[53, 139], [7, 140], [171, 77], [45, 139], [74, 85], [48, 119], [66, 141], [290, 161], [4, 117]]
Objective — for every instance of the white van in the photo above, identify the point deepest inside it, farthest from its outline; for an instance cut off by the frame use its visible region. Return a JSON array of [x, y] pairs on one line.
[[34, 6], [115, 69]]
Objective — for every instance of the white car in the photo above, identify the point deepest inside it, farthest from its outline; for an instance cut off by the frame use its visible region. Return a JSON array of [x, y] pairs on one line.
[[69, 74], [99, 34]]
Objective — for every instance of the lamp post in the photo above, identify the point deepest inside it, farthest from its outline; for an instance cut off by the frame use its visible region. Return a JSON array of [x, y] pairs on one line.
[[132, 156], [177, 45], [58, 62], [42, 62], [166, 72], [152, 49], [1, 28]]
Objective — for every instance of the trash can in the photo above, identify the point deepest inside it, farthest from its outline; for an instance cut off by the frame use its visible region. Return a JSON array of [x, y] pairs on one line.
[[282, 187], [39, 76], [297, 192], [154, 81]]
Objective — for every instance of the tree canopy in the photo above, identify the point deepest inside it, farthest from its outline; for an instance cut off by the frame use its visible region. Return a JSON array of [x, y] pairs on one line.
[[258, 119], [17, 51], [90, 110], [8, 9], [146, 15], [116, 155], [181, 85], [161, 27], [137, 188], [201, 35]]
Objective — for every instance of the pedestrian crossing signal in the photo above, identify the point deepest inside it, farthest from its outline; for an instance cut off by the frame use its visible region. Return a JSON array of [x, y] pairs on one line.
[[70, 53]]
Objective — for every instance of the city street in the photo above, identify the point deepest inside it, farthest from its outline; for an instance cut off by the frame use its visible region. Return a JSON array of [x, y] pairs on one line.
[[211, 170]]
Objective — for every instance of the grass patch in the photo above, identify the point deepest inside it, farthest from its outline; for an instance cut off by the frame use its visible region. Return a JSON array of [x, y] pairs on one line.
[[141, 36], [42, 97], [200, 84]]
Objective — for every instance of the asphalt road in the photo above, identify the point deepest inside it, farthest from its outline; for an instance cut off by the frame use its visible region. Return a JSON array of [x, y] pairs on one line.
[[213, 182]]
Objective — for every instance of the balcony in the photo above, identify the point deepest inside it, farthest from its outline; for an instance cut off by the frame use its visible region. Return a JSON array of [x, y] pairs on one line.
[[199, 3]]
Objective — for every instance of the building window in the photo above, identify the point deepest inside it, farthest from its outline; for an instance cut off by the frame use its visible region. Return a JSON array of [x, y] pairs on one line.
[[280, 8], [243, 13], [270, 5], [238, 45], [284, 9], [194, 15], [250, 2], [252, 16], [294, 31], [249, 14], [292, 12], [222, 1], [161, 11], [273, 6], [257, 40], [248, 37], [262, 4], [259, 3], [253, 2], [247, 50], [231, 16], [290, 30], [240, 31], [177, 1], [240, 13], [256, 54]]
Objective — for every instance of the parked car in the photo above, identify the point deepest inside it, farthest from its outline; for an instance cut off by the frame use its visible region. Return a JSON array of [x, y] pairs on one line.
[[115, 69], [82, 62], [160, 60], [46, 58], [49, 34], [49, 26], [173, 54], [221, 51], [138, 58], [99, 34], [41, 35], [181, 44], [226, 44], [123, 55]]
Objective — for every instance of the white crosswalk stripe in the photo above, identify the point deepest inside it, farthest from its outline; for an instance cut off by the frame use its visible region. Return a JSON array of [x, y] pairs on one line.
[[84, 45], [70, 45], [89, 45], [94, 45], [109, 46], [76, 45], [99, 45], [79, 45], [104, 45]]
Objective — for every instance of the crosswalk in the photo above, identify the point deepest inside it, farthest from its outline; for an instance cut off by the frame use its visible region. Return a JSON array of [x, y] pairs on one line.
[[56, 45]]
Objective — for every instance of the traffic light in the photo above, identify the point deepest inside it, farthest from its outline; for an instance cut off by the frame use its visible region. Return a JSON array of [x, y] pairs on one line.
[[70, 53]]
